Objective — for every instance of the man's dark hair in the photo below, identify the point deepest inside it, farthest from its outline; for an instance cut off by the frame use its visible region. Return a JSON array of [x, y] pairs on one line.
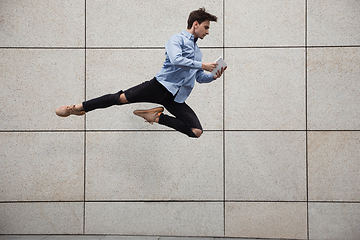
[[200, 16]]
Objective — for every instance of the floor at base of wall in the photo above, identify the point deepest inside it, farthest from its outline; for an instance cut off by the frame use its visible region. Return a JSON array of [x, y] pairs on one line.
[[114, 237]]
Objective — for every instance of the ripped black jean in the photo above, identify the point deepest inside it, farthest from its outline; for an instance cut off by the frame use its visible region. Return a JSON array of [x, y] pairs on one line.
[[183, 119]]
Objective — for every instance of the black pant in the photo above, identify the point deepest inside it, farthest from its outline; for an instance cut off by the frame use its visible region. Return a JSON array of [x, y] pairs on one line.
[[153, 92]]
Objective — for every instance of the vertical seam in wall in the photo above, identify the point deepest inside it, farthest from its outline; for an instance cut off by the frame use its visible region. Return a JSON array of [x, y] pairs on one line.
[[84, 122], [306, 124], [223, 128]]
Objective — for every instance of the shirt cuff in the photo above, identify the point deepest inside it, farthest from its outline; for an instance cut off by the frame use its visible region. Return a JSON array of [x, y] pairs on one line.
[[197, 65]]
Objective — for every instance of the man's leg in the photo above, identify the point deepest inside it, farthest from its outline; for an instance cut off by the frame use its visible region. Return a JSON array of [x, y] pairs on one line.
[[185, 119], [87, 106], [156, 115], [150, 91], [105, 101]]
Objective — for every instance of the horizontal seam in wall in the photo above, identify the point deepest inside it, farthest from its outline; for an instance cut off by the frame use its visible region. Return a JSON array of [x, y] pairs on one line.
[[88, 131], [180, 201], [162, 48]]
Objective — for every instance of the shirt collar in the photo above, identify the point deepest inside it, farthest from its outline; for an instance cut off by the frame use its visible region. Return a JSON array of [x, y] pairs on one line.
[[189, 35]]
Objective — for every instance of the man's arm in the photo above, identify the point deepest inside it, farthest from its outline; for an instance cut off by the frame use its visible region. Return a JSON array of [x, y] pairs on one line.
[[174, 51]]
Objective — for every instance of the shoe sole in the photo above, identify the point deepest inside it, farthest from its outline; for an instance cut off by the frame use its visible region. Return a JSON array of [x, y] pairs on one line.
[[153, 110]]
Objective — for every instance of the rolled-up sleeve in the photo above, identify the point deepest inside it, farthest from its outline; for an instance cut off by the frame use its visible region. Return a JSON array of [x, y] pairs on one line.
[[202, 77], [174, 50]]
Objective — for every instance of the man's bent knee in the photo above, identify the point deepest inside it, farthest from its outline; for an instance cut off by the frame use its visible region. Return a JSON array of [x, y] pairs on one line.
[[197, 132]]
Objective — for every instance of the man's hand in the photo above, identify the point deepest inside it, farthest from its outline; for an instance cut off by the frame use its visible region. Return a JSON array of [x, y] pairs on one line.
[[219, 73], [208, 66]]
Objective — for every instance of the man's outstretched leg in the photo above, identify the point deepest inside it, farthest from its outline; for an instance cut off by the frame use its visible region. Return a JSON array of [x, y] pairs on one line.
[[100, 102]]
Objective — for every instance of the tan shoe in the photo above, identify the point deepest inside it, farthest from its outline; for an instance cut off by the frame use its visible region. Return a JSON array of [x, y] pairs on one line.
[[149, 115], [65, 111]]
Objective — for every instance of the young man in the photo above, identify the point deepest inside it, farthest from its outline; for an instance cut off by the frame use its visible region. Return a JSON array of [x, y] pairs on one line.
[[172, 84]]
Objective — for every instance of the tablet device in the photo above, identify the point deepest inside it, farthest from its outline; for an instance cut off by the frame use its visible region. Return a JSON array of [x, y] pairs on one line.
[[221, 63]]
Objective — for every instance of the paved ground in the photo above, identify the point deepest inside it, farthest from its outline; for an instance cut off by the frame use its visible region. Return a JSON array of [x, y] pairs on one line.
[[111, 237]]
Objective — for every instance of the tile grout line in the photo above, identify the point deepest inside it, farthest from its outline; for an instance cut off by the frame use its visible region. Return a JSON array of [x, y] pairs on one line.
[[84, 205], [223, 128], [205, 130], [182, 201], [306, 126], [161, 48]]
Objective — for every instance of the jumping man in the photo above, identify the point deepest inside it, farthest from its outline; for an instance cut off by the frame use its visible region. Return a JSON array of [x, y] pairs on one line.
[[172, 84]]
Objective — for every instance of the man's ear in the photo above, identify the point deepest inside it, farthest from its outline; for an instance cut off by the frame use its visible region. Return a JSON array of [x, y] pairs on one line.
[[196, 24]]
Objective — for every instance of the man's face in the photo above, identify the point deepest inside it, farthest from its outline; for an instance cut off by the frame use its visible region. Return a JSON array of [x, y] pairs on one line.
[[202, 30]]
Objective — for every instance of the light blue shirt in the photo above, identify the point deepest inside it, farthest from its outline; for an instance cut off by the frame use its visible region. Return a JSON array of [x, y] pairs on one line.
[[182, 66]]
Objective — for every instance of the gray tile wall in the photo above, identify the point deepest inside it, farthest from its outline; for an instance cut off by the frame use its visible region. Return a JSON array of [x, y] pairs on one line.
[[279, 157]]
